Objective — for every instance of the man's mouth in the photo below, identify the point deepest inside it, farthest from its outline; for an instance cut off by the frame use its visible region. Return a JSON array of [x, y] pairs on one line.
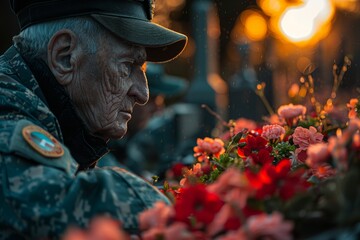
[[127, 113]]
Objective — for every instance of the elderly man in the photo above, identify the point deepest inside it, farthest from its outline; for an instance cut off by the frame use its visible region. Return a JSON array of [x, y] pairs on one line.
[[69, 84], [137, 151]]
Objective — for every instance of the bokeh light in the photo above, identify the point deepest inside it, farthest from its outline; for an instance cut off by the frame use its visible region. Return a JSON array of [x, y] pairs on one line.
[[272, 7], [305, 21], [255, 25]]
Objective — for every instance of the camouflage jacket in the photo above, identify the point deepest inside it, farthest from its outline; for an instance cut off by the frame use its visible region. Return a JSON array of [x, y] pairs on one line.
[[41, 196]]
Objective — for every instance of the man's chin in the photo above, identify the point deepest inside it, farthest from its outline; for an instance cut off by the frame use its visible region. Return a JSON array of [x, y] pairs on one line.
[[115, 137], [112, 133]]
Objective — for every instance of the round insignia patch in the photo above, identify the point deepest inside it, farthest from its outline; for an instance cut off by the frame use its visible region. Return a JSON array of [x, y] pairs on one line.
[[42, 141]]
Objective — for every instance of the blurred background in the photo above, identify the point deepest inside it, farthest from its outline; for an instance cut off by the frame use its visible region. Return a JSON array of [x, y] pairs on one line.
[[245, 58]]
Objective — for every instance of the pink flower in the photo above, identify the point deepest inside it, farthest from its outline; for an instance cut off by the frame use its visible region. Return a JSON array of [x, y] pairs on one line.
[[274, 119], [152, 234], [338, 145], [100, 228], [271, 226], [323, 171], [317, 154], [339, 153], [156, 217], [235, 235], [304, 137], [238, 126], [271, 132], [191, 174], [242, 123], [75, 234], [208, 147], [232, 186], [176, 231], [291, 111]]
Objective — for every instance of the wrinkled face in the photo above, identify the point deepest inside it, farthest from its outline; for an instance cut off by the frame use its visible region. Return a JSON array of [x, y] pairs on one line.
[[108, 85]]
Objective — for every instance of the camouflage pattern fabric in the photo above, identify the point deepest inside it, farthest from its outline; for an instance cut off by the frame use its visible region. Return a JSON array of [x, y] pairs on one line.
[[41, 196]]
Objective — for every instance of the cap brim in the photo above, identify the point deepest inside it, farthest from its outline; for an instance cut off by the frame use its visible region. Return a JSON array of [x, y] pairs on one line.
[[162, 44]]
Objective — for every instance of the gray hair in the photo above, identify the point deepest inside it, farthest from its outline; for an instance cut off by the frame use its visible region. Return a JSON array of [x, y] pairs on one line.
[[33, 40]]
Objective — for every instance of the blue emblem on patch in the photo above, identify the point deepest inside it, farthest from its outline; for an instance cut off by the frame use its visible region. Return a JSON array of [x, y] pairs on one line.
[[42, 141]]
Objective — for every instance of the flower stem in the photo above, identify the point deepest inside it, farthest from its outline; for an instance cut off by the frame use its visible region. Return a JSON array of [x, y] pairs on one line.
[[260, 92]]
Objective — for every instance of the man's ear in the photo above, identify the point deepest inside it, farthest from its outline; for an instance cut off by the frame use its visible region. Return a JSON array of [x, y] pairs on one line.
[[61, 55]]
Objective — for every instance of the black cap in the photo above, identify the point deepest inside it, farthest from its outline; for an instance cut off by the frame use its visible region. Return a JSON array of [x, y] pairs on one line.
[[130, 20]]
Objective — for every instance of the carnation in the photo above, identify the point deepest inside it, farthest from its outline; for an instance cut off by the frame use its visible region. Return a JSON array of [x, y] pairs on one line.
[[317, 154], [242, 123], [271, 226], [158, 216], [291, 111], [100, 228], [208, 147], [271, 132], [304, 137]]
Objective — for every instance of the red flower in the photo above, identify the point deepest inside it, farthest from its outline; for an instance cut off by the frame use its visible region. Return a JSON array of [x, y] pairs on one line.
[[178, 169], [277, 180], [253, 144], [256, 143], [172, 194], [233, 222], [256, 148], [262, 157], [196, 203], [293, 183]]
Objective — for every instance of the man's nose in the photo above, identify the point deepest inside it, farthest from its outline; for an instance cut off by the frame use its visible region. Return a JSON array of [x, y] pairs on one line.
[[140, 89]]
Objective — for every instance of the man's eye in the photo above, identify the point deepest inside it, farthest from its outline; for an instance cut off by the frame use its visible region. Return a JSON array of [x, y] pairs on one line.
[[125, 69]]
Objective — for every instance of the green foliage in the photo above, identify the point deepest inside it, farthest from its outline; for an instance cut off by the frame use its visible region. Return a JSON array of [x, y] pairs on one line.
[[204, 178], [234, 142], [308, 122], [214, 175], [282, 150], [230, 160]]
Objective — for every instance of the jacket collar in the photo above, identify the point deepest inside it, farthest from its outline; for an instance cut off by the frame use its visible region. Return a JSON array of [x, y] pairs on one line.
[[25, 77], [22, 70]]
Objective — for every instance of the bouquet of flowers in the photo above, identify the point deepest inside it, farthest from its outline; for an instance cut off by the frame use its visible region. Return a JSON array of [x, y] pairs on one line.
[[290, 177], [294, 176]]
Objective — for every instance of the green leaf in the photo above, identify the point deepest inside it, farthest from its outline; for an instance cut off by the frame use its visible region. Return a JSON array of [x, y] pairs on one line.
[[282, 150]]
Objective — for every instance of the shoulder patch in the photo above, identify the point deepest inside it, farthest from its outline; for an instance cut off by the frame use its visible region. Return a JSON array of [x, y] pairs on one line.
[[42, 141]]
